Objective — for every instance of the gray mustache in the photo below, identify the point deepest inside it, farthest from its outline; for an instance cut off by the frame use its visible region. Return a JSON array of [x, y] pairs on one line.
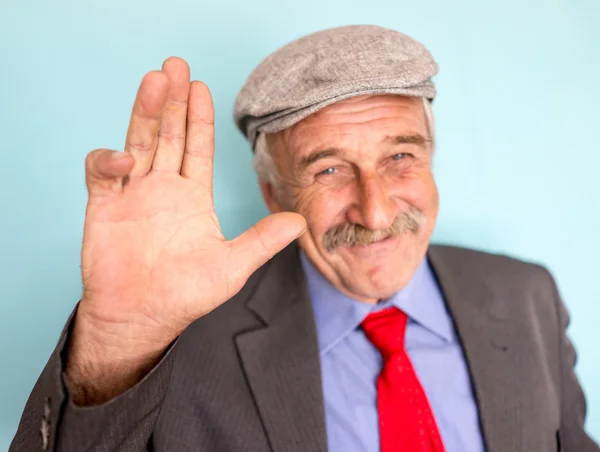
[[354, 234]]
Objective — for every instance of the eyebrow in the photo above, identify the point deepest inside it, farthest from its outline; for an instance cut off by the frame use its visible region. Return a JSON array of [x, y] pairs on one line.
[[415, 138], [308, 160]]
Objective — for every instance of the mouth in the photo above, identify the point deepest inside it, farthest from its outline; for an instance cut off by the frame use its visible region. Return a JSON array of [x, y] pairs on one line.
[[385, 239], [380, 246]]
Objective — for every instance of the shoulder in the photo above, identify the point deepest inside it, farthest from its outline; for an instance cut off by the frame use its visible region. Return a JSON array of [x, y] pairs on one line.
[[523, 291], [491, 268], [521, 287]]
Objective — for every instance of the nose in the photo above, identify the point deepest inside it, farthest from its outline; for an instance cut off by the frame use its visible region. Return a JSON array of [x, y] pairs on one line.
[[375, 208]]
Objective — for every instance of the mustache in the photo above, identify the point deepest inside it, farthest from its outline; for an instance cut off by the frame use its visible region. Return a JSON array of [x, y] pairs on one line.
[[350, 234]]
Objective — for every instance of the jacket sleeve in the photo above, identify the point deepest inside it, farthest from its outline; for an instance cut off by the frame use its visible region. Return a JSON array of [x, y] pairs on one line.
[[51, 422], [572, 436]]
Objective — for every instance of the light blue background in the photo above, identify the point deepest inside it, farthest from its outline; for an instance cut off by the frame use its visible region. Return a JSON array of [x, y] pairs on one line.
[[517, 120]]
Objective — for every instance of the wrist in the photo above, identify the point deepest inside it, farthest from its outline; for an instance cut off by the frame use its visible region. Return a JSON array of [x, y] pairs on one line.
[[104, 359]]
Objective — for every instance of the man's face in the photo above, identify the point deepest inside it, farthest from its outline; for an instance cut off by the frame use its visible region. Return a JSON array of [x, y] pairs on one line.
[[360, 172]]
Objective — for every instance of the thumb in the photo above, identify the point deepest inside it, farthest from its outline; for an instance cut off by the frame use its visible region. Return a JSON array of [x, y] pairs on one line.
[[266, 238], [105, 168]]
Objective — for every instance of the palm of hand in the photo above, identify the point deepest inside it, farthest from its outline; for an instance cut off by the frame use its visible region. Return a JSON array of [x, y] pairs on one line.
[[153, 252]]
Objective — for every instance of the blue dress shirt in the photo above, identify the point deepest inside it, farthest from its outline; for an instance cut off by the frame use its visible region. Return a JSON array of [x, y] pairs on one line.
[[350, 364]]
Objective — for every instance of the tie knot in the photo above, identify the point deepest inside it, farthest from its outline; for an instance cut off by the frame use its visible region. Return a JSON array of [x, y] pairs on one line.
[[385, 329]]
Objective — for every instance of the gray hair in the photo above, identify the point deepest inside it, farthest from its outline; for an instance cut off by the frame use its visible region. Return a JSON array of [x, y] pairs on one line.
[[263, 160]]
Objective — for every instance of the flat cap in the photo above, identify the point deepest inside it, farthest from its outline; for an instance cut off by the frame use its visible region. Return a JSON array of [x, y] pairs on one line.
[[328, 66]]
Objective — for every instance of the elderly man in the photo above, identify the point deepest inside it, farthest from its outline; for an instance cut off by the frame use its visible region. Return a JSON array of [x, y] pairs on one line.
[[359, 337]]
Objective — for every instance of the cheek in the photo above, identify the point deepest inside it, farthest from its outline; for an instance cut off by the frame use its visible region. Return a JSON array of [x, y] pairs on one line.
[[320, 206], [419, 191]]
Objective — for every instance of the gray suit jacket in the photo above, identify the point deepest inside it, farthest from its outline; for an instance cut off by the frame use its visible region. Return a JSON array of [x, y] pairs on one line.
[[246, 377]]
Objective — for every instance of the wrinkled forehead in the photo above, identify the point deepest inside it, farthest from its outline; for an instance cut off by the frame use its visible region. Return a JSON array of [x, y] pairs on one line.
[[369, 118]]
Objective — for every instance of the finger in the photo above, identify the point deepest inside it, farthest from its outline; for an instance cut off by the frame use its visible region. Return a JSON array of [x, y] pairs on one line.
[[142, 135], [263, 240], [104, 170], [171, 136], [200, 140]]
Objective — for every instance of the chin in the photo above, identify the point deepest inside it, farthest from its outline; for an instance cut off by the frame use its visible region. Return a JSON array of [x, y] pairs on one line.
[[378, 281], [371, 291], [381, 274]]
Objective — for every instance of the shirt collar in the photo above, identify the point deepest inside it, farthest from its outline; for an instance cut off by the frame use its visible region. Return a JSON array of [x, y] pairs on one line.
[[423, 302], [337, 314]]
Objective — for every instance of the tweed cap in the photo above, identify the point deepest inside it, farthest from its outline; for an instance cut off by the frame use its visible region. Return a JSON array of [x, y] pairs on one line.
[[328, 66]]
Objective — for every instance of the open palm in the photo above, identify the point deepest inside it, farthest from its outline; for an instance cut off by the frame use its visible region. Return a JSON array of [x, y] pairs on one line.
[[153, 253]]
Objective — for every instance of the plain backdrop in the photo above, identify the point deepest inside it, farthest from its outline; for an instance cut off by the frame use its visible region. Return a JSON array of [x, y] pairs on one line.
[[517, 161]]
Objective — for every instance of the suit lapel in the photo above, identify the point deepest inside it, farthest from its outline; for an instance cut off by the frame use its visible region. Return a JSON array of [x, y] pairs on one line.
[[489, 346], [281, 360]]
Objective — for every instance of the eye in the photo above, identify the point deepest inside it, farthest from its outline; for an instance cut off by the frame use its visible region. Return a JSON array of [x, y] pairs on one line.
[[399, 156], [327, 171]]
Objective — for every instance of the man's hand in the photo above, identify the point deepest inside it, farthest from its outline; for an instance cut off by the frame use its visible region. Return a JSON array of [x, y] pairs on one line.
[[154, 258]]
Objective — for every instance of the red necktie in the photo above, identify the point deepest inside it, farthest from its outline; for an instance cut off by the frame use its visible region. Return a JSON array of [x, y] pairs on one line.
[[406, 422]]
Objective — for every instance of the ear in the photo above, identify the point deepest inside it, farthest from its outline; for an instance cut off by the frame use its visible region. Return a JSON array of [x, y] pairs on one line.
[[269, 195]]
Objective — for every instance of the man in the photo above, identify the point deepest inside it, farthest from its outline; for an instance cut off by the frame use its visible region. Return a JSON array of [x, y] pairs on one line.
[[359, 337]]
